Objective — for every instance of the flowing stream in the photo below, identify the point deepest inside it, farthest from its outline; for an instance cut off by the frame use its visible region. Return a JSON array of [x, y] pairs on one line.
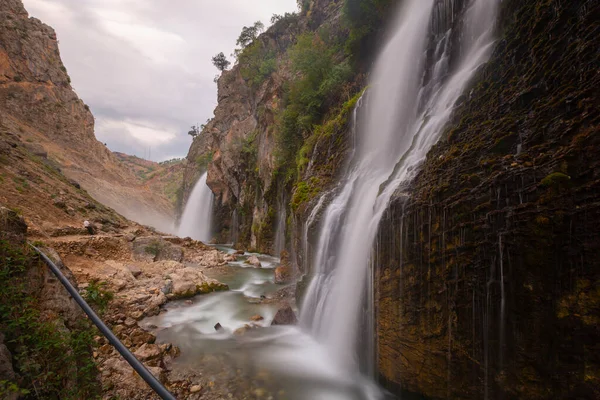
[[197, 216]]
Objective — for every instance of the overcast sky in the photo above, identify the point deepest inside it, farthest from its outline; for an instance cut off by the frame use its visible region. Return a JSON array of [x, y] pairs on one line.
[[144, 66]]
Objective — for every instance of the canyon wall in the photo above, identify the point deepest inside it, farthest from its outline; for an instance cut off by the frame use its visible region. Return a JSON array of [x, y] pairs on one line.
[[239, 146], [487, 272], [39, 108]]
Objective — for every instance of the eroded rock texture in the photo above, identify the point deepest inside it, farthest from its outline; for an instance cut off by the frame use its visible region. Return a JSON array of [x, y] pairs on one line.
[[40, 109], [487, 279]]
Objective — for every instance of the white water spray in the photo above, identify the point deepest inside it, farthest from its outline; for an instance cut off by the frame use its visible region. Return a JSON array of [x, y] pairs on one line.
[[197, 216], [410, 101]]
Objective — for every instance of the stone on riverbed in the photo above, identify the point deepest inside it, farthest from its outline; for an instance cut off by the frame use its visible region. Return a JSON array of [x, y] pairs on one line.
[[254, 261], [148, 352], [241, 331], [283, 274], [285, 316], [195, 389], [230, 257], [188, 282]]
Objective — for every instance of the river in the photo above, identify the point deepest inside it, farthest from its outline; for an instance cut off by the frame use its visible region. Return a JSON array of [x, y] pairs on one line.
[[270, 362]]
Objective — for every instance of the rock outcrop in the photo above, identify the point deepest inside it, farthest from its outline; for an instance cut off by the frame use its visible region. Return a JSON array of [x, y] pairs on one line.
[[285, 316]]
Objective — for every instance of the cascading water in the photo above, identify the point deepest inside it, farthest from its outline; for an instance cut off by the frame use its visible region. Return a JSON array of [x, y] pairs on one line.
[[418, 77], [197, 217], [279, 243]]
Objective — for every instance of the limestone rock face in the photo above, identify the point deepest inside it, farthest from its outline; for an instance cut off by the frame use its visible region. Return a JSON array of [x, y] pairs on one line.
[[53, 296], [487, 275], [283, 274]]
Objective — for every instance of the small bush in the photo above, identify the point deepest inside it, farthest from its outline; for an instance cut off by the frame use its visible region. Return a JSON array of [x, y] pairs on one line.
[[556, 180], [203, 160], [97, 295]]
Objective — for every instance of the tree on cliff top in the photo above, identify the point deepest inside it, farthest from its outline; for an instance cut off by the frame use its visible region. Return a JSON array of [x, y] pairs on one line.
[[249, 33], [194, 131], [221, 62]]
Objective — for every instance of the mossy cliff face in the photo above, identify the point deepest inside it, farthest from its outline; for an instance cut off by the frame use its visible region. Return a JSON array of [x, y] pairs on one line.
[[487, 275]]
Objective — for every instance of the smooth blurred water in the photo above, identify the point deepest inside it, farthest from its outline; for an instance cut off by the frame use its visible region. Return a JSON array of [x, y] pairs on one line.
[[277, 354], [196, 221]]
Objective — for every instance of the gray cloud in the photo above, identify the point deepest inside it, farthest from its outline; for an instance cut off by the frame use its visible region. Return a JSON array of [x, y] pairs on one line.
[[144, 67]]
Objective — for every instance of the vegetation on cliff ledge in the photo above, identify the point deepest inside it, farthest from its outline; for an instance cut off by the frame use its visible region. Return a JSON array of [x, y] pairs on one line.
[[51, 361]]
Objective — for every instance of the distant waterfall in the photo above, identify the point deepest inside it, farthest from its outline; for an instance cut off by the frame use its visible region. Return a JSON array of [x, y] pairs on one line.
[[433, 53], [197, 216]]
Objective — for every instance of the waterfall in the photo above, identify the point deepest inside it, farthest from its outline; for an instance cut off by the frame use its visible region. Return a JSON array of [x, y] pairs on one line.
[[197, 216], [418, 77], [279, 242]]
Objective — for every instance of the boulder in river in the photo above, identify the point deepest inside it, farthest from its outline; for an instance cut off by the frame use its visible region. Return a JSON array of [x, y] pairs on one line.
[[254, 261], [230, 257], [285, 316], [283, 274]]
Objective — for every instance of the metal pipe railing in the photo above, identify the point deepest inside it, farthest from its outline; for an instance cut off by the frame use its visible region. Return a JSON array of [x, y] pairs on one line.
[[124, 351]]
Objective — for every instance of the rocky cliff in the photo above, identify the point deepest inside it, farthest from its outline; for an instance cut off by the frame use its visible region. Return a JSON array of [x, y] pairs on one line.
[[241, 147], [487, 278], [39, 108]]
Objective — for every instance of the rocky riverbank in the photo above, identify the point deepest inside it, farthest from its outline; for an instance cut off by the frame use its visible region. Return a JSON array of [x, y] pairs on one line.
[[140, 271], [131, 275]]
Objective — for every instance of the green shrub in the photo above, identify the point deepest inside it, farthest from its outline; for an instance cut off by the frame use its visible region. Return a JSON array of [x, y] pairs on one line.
[[97, 295], [203, 160], [154, 248], [317, 86], [257, 62], [305, 191], [556, 180]]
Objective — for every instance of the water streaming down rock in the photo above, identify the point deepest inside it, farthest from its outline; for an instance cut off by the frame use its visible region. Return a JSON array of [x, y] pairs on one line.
[[417, 79], [196, 220], [279, 243]]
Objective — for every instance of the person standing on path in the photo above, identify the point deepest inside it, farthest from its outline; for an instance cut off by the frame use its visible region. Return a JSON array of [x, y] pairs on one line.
[[88, 225]]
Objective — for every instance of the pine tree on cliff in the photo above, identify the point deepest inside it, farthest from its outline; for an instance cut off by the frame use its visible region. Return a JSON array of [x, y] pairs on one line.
[[221, 62]]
